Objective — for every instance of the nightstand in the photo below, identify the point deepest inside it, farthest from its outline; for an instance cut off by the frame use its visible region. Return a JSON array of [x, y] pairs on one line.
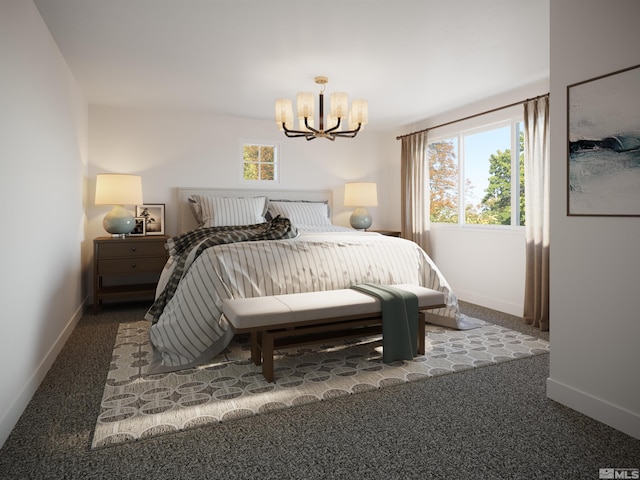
[[388, 233], [132, 267]]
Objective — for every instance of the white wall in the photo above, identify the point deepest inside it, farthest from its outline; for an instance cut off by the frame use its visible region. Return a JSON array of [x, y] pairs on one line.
[[595, 320], [43, 150], [171, 149]]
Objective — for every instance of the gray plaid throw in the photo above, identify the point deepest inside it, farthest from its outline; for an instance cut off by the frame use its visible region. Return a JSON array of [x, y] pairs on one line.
[[179, 247]]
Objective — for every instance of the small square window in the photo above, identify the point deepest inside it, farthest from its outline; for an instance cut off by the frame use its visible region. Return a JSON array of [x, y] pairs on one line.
[[259, 162]]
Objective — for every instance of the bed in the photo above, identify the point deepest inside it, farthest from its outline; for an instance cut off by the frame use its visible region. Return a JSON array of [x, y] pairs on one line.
[[223, 252]]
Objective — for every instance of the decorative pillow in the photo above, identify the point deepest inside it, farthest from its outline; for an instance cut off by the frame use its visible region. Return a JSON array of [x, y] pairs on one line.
[[194, 206], [228, 211], [301, 212]]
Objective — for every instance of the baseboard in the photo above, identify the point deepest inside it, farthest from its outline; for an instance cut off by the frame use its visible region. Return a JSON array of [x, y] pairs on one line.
[[22, 399], [596, 408], [488, 302]]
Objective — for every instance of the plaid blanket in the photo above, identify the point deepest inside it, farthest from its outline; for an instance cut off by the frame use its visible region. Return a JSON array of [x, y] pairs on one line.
[[190, 245]]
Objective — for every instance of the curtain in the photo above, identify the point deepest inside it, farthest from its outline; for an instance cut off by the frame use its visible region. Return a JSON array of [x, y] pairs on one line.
[[415, 189], [536, 147]]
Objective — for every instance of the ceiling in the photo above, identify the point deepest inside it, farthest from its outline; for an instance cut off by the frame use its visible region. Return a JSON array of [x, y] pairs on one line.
[[411, 59]]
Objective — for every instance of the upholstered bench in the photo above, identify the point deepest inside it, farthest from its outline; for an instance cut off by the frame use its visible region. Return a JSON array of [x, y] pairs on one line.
[[303, 318]]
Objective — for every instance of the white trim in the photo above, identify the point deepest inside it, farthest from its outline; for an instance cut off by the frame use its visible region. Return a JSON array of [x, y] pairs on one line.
[[489, 302], [619, 418], [21, 400]]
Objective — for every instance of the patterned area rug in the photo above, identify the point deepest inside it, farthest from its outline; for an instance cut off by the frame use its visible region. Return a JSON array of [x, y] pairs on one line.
[[136, 406]]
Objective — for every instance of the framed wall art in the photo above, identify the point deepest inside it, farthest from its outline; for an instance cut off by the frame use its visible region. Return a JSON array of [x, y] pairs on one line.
[[140, 228], [603, 173], [153, 213]]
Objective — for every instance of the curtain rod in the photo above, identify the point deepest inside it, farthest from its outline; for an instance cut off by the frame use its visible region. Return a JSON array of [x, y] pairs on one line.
[[472, 116]]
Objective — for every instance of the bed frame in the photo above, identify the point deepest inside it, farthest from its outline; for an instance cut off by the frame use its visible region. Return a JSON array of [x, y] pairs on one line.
[[186, 221]]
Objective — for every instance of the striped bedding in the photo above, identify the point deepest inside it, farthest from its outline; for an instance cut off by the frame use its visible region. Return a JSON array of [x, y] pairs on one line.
[[192, 330]]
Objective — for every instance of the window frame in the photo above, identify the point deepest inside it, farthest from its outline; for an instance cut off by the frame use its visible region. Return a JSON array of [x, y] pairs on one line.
[[276, 161], [509, 117]]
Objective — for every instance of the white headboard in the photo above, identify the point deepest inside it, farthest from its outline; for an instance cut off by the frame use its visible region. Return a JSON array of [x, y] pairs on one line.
[[187, 222]]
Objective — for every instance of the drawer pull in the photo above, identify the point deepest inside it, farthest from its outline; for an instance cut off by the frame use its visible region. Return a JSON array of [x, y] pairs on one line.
[[133, 264], [133, 248]]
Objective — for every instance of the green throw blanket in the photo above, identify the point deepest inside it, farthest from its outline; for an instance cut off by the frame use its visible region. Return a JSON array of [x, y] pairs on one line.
[[399, 320]]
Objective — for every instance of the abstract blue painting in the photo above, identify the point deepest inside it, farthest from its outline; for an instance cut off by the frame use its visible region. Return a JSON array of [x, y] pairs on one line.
[[604, 145]]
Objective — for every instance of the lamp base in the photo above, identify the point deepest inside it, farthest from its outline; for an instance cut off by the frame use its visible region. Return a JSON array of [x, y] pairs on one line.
[[360, 219], [119, 221]]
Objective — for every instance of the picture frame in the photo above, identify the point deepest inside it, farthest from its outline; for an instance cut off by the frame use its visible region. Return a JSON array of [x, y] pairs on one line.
[[603, 145], [140, 229], [153, 213]]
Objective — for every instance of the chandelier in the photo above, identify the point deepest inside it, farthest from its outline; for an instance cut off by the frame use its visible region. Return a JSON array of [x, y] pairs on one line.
[[339, 115]]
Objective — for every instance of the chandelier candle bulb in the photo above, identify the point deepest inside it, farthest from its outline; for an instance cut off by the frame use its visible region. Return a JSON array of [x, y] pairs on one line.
[[305, 104], [339, 104]]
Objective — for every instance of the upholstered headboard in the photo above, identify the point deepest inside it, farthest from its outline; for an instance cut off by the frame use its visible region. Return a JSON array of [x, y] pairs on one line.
[[187, 222]]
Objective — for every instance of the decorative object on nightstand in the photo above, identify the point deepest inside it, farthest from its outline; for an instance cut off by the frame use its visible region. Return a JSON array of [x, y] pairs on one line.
[[132, 267], [360, 195], [118, 190]]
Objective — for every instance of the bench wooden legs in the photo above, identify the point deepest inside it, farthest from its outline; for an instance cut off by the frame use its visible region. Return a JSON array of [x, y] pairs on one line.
[[264, 342]]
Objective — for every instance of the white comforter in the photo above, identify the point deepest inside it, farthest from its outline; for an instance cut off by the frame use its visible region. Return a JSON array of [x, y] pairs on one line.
[[192, 329]]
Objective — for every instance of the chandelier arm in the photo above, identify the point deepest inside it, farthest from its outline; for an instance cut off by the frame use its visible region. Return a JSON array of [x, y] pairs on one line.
[[296, 133], [334, 127], [306, 124], [348, 133]]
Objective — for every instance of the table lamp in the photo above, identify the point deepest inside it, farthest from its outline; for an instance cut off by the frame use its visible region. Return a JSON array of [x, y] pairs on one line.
[[360, 195], [118, 190]]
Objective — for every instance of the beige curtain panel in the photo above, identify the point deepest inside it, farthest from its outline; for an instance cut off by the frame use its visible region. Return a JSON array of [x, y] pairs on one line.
[[415, 189], [536, 145]]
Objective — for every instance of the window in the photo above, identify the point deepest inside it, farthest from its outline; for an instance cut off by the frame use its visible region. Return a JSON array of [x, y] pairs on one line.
[[488, 162], [259, 162]]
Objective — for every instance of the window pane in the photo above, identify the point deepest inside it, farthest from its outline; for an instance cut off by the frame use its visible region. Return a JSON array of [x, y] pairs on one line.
[[251, 153], [443, 181], [267, 171], [267, 154], [487, 176], [251, 171]]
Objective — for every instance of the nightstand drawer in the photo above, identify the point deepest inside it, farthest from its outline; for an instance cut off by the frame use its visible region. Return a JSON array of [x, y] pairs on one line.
[[127, 268], [132, 249], [131, 265]]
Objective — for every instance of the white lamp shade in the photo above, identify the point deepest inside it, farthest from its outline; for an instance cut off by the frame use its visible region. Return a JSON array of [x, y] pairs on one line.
[[115, 189], [339, 105], [360, 112], [284, 113], [305, 104], [358, 194]]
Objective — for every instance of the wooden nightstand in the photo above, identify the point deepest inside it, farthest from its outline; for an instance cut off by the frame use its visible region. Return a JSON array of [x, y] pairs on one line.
[[388, 233], [136, 260]]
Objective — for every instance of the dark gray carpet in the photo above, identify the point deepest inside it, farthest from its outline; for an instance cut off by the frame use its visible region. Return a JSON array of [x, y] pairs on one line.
[[487, 423]]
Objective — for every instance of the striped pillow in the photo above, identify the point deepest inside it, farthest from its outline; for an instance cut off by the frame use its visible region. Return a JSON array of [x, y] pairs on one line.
[[228, 211], [301, 213]]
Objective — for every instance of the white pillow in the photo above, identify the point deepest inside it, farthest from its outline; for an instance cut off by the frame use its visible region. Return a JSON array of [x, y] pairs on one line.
[[301, 213], [228, 211]]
